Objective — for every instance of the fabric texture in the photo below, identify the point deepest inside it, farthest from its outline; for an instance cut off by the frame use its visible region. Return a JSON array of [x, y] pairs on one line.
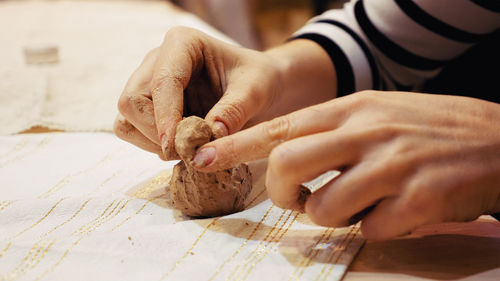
[[100, 44], [88, 206], [399, 44]]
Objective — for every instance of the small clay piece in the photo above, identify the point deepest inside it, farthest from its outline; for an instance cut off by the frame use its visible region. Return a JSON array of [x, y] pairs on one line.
[[200, 194]]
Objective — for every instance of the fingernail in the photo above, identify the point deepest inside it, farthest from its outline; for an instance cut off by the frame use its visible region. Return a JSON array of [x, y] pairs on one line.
[[203, 157], [220, 129], [164, 143]]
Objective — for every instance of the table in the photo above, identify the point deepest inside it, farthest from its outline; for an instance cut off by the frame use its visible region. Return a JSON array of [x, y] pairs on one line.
[[446, 251]]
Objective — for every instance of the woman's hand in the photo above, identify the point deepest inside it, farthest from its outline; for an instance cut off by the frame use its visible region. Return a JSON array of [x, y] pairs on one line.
[[194, 74], [419, 158]]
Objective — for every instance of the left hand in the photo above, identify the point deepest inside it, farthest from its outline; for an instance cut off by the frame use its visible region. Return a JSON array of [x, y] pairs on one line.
[[420, 158]]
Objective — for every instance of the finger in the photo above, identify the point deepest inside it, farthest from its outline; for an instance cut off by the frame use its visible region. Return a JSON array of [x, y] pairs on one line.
[[180, 56], [228, 115], [303, 159], [420, 203], [135, 103], [354, 191], [239, 103], [127, 132], [258, 141], [388, 220], [139, 111]]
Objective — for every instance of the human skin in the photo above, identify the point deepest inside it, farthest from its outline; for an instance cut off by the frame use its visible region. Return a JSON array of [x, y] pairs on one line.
[[233, 86], [422, 159], [419, 158]]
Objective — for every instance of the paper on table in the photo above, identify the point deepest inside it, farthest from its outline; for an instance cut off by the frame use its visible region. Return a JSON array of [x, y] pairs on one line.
[[87, 206], [100, 45]]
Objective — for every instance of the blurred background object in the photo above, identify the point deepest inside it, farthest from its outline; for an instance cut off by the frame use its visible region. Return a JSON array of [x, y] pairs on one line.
[[65, 63], [71, 59], [233, 17], [258, 24]]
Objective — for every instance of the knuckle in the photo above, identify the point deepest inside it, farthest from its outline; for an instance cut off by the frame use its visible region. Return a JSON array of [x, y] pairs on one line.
[[124, 106], [383, 131], [387, 131], [142, 105], [184, 36], [359, 97], [362, 99], [166, 78], [123, 128], [366, 94], [278, 129], [235, 116], [280, 162], [418, 202], [129, 103], [404, 148], [179, 31]]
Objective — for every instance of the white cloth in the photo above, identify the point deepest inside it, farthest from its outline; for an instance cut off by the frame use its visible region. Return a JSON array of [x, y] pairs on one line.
[[100, 44], [87, 206]]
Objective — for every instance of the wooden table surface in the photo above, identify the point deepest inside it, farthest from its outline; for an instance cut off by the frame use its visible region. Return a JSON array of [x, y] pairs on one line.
[[448, 251]]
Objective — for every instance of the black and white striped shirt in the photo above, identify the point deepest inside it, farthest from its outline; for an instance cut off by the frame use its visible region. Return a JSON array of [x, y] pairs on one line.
[[400, 44]]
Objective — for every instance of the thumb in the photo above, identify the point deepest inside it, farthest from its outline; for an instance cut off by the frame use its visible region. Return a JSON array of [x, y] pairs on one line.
[[232, 111]]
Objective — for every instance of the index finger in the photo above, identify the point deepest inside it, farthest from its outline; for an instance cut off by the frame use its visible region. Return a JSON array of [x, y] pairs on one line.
[[179, 57], [258, 141]]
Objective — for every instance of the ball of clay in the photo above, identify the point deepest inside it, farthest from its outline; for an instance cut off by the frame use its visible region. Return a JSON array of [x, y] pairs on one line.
[[199, 194]]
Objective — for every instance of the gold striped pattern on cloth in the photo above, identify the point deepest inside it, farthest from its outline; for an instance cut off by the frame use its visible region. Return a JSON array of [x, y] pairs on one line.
[[30, 261], [91, 227], [68, 220], [144, 193], [39, 221], [105, 216], [84, 232], [328, 267], [274, 243], [5, 204], [94, 224], [148, 187], [2, 253], [313, 251], [114, 203], [235, 274], [17, 147], [190, 250], [44, 142], [67, 179], [250, 236], [106, 181], [40, 249]]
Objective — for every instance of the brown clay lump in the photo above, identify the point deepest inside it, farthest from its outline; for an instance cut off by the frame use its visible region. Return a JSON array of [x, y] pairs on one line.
[[200, 194]]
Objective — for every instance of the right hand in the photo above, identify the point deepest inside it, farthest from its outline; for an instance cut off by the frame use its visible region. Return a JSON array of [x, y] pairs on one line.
[[194, 74]]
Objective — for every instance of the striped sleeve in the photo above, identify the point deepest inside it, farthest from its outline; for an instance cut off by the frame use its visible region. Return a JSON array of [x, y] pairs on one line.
[[399, 44]]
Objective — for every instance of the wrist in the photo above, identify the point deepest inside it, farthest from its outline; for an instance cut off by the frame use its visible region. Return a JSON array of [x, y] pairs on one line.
[[307, 75]]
